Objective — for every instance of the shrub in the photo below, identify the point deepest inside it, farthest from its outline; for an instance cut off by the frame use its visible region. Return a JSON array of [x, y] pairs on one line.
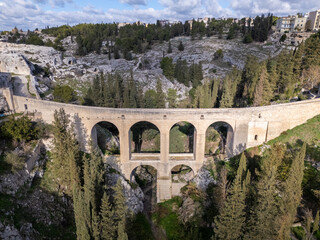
[[247, 38], [17, 163], [20, 129], [180, 47], [283, 38], [218, 54], [64, 94]]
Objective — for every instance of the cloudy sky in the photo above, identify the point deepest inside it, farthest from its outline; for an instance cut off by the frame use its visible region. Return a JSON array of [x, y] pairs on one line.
[[31, 14]]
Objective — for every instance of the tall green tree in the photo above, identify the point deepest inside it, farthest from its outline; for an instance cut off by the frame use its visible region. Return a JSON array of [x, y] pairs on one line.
[[65, 152], [108, 227], [263, 222], [169, 48], [226, 98], [230, 224], [291, 194], [160, 99], [120, 211]]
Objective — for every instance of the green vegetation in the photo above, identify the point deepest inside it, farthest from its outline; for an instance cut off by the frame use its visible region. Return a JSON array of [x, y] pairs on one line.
[[15, 161], [168, 219], [64, 94], [19, 129], [308, 132], [182, 72], [181, 136], [98, 214], [140, 228]]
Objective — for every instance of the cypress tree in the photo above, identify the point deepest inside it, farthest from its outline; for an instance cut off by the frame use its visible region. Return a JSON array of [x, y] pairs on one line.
[[226, 98], [214, 93], [180, 47], [120, 211], [160, 99], [66, 163], [108, 227], [133, 92], [263, 218], [263, 92], [291, 194], [229, 225], [66, 150], [169, 48]]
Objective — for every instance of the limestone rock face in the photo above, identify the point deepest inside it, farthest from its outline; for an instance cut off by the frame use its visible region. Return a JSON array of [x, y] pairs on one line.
[[3, 105], [189, 210], [9, 232], [203, 178], [134, 195], [10, 183]]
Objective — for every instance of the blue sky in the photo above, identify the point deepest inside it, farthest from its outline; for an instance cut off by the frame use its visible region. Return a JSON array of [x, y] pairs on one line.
[[30, 14]]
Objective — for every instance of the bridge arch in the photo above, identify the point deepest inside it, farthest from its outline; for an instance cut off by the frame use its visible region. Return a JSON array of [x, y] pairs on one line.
[[182, 138], [180, 174], [106, 136], [144, 137], [219, 133], [146, 177]]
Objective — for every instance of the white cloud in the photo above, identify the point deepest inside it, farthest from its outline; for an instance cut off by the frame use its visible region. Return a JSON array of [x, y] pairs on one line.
[[29, 14], [54, 3], [134, 2], [277, 7]]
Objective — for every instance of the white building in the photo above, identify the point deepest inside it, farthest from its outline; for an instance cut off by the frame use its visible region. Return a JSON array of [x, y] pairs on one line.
[[314, 18], [291, 24]]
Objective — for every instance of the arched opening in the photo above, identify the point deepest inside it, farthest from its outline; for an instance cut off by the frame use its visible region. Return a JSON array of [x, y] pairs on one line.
[[181, 175], [144, 138], [182, 139], [145, 176], [105, 135], [219, 139]]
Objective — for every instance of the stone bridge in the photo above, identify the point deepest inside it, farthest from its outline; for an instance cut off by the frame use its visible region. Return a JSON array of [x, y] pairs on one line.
[[247, 127]]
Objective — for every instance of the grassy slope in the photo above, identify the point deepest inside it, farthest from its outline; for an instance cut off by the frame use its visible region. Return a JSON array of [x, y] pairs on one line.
[[308, 132]]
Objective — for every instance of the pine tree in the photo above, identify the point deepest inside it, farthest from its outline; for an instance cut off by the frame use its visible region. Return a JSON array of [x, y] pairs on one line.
[[291, 194], [229, 225]]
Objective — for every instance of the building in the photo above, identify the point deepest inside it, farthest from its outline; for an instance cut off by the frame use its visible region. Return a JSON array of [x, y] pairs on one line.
[[120, 25], [205, 20], [295, 23], [163, 23], [284, 24], [314, 18], [299, 23], [246, 20]]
